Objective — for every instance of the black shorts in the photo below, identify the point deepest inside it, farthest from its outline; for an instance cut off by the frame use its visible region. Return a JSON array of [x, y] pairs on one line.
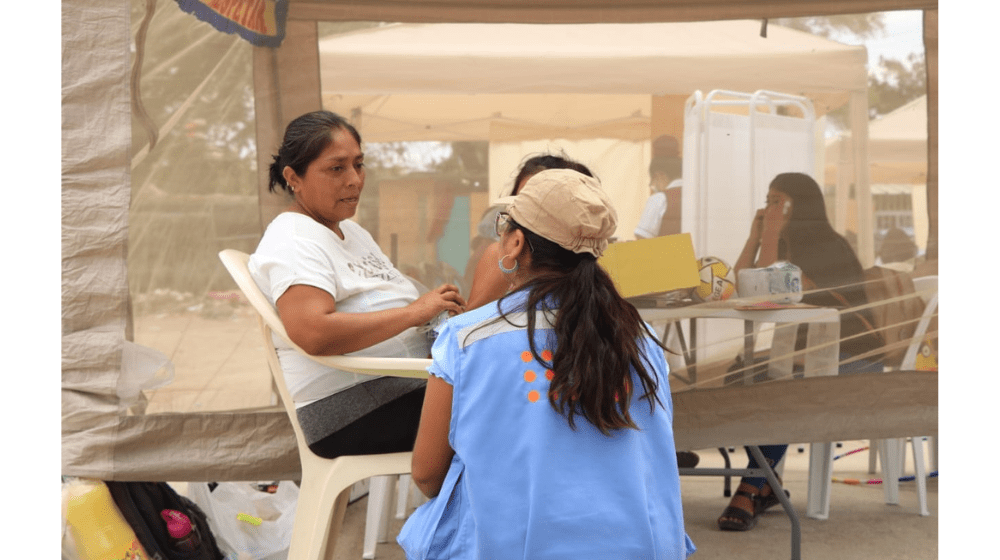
[[389, 427]]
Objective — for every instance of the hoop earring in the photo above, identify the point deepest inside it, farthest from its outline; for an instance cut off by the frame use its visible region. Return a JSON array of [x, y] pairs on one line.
[[504, 269]]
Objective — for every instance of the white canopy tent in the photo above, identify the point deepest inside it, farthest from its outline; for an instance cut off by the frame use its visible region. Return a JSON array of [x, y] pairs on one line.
[[523, 86], [897, 148], [897, 159], [415, 74], [101, 438]]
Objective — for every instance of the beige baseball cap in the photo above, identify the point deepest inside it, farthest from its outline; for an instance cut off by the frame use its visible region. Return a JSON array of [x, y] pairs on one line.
[[567, 208]]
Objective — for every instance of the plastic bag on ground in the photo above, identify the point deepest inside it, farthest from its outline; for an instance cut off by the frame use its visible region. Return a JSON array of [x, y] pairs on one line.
[[249, 524]]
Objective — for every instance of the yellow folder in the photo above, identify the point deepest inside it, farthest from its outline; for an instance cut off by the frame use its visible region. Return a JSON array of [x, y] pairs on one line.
[[652, 266]]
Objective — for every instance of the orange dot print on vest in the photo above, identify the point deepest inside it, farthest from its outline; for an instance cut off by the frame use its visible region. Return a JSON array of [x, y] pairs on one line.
[[533, 396], [526, 356], [547, 355], [549, 374], [530, 376]]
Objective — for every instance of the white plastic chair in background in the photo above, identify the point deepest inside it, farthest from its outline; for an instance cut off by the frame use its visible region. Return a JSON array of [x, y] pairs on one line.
[[326, 483], [892, 452]]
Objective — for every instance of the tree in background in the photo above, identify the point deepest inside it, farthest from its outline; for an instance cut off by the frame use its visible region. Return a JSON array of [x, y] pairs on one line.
[[891, 84], [898, 84]]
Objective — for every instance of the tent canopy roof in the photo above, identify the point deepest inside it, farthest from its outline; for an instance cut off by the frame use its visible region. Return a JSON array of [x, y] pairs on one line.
[[908, 122], [408, 79], [897, 147], [647, 58]]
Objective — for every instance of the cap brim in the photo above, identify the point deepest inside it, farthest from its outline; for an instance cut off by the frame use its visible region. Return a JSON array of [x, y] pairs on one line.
[[506, 200]]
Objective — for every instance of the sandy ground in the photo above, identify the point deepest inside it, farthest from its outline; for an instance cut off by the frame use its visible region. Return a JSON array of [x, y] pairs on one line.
[[219, 360], [861, 525]]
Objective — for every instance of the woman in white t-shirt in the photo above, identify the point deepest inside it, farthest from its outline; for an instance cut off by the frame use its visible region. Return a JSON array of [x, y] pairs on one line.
[[337, 293]]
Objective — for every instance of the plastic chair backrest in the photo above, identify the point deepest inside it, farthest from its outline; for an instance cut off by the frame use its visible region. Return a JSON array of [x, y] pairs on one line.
[[323, 480], [267, 318], [927, 288]]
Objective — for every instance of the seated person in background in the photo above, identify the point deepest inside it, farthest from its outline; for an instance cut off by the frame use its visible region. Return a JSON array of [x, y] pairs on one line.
[[794, 227], [547, 427], [488, 284], [897, 251], [661, 214], [337, 293]]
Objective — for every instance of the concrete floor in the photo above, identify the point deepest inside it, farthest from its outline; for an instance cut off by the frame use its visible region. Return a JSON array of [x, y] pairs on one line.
[[860, 526]]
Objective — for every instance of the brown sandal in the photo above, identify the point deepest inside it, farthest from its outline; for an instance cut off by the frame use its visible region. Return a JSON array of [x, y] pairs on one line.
[[764, 503], [739, 519]]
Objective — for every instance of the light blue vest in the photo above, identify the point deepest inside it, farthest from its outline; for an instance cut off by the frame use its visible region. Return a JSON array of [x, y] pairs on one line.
[[523, 484]]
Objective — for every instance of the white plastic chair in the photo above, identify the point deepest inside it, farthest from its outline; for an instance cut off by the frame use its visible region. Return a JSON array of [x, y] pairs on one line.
[[892, 452], [326, 483]]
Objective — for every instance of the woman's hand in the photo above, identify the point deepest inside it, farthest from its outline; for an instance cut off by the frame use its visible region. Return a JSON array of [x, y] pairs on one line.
[[776, 216], [757, 225], [443, 298]]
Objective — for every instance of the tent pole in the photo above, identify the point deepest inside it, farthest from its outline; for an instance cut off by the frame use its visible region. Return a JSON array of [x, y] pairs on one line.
[[286, 84], [862, 183], [931, 57]]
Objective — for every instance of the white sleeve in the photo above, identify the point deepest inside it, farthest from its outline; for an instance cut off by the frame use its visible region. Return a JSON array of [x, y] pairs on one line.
[[652, 215], [295, 261]]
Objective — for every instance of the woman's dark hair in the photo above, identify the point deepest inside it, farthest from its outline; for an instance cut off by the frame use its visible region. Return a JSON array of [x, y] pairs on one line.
[[825, 257], [535, 164], [668, 165], [596, 334], [809, 241], [305, 138], [897, 246]]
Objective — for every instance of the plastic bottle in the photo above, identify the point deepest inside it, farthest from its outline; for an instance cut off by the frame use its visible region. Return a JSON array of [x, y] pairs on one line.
[[184, 535], [98, 528]]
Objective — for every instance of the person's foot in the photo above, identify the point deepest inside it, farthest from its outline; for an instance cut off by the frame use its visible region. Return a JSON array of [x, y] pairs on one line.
[[687, 459], [741, 513], [766, 499]]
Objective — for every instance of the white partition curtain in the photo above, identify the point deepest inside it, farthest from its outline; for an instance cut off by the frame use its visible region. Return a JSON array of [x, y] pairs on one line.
[[102, 438]]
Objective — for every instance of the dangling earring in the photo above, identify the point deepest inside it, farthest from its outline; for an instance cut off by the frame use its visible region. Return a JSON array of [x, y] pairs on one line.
[[504, 269]]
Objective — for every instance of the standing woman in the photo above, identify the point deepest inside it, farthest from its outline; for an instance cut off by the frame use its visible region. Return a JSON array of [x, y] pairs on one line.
[[793, 227], [337, 293], [547, 428]]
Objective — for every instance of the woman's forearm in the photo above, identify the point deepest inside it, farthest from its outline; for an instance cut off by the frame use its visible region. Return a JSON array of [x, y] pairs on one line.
[[312, 322], [768, 249], [340, 333], [748, 254]]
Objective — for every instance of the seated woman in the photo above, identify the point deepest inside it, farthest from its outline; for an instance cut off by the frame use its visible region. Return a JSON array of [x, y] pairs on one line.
[[547, 413], [488, 284], [337, 293], [794, 227]]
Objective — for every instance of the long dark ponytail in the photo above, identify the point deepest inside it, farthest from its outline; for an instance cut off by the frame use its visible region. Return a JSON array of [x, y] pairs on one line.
[[597, 337]]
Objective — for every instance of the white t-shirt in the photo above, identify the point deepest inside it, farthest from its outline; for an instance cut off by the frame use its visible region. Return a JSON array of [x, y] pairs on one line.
[[296, 249], [652, 214]]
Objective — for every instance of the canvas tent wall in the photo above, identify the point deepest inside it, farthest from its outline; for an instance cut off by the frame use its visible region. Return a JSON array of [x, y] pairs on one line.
[[99, 437]]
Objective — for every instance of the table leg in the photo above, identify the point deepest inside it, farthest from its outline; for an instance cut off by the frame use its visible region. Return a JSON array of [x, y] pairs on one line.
[[779, 492]]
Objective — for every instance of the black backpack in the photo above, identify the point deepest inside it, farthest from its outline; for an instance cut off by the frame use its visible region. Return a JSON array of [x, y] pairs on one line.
[[141, 504]]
